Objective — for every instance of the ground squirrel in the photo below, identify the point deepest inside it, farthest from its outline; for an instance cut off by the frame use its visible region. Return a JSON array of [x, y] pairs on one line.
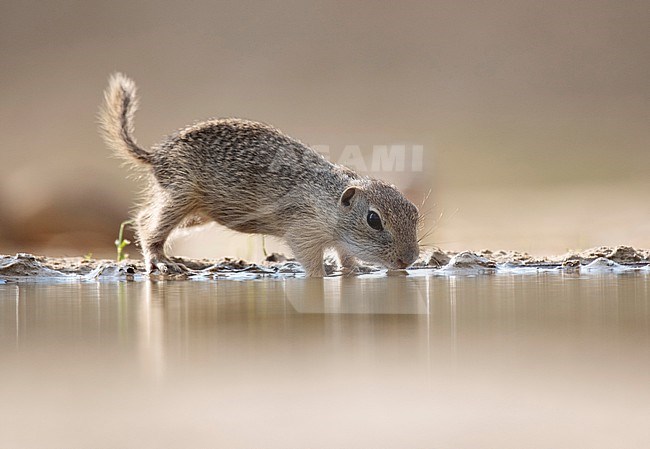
[[252, 178]]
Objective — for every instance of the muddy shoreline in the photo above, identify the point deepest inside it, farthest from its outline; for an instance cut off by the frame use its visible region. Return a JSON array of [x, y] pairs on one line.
[[27, 267]]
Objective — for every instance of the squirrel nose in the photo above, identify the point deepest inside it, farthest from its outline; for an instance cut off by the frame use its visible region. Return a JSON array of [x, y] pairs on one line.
[[415, 253], [408, 259]]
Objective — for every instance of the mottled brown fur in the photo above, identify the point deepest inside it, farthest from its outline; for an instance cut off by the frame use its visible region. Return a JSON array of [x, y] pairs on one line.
[[252, 178]]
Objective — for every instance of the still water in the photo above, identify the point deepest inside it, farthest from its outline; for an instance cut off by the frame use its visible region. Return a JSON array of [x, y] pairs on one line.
[[544, 360]]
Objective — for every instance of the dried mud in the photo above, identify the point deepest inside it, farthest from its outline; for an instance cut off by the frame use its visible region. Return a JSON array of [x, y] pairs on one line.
[[27, 267]]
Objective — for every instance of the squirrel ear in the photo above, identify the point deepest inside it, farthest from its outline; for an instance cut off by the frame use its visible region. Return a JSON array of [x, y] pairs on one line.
[[348, 195]]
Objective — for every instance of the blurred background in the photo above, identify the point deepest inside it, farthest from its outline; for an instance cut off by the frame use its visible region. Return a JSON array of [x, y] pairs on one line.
[[533, 116]]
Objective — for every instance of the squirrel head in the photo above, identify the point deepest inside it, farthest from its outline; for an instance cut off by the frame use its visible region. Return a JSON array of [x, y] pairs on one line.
[[379, 225]]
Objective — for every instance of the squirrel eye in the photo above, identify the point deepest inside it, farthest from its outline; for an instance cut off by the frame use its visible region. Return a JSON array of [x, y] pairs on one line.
[[374, 221]]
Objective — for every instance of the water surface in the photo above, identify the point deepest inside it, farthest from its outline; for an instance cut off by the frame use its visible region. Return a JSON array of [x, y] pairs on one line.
[[542, 360]]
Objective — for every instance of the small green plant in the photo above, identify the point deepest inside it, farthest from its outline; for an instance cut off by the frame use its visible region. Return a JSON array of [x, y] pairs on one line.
[[88, 256], [266, 254], [121, 242]]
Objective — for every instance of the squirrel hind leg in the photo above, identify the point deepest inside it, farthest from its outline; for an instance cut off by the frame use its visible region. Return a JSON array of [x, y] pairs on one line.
[[154, 225]]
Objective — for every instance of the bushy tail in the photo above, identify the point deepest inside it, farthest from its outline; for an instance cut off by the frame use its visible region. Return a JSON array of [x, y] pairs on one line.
[[116, 119]]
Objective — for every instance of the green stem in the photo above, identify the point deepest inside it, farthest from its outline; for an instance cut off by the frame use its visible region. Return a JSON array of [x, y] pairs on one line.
[[120, 243]]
